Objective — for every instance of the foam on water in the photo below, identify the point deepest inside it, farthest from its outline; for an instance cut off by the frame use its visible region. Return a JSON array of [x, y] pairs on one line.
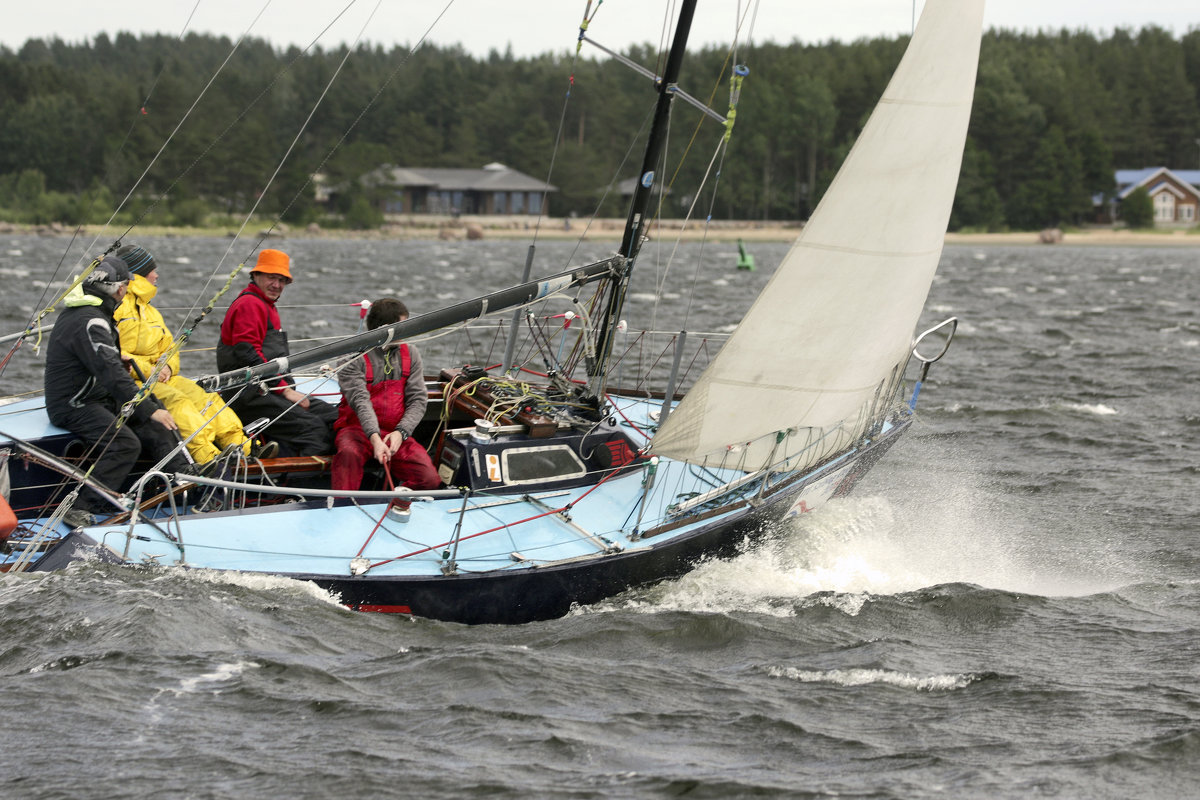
[[1099, 409], [863, 677], [216, 680], [859, 547], [259, 583]]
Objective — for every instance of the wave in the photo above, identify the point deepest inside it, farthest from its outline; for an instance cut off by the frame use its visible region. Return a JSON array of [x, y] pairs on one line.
[[854, 551], [864, 677], [258, 583], [222, 676], [1044, 407], [1099, 409]]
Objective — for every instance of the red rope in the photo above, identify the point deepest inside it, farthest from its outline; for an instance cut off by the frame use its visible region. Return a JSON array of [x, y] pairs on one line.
[[432, 548], [632, 424], [387, 473]]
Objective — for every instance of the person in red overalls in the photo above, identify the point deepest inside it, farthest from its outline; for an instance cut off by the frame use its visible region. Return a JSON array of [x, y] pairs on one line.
[[383, 400]]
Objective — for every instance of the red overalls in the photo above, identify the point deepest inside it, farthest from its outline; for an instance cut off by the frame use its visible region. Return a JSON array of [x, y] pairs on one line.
[[410, 466]]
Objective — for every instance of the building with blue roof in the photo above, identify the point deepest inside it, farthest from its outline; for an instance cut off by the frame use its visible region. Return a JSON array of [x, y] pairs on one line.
[[1175, 194]]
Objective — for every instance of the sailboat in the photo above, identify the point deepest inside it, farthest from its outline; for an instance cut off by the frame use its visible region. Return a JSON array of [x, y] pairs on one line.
[[561, 490]]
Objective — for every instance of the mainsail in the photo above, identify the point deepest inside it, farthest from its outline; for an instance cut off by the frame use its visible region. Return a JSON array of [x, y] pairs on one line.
[[824, 345]]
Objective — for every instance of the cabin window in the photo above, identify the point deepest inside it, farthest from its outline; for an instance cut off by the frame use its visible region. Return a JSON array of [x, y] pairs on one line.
[[500, 202], [535, 202], [518, 203], [536, 464], [1187, 213]]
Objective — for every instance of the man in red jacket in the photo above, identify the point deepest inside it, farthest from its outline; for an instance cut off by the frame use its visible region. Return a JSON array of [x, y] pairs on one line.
[[384, 400], [251, 334]]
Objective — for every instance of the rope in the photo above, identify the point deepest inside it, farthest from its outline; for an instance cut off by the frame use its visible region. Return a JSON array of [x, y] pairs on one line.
[[387, 473]]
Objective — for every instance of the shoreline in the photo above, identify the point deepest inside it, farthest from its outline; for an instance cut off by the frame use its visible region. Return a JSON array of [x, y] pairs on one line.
[[509, 228]]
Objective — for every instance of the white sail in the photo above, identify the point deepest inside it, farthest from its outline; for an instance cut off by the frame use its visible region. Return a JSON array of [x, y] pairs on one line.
[[824, 343]]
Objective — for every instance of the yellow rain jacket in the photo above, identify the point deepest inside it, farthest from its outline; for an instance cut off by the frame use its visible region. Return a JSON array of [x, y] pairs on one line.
[[144, 338]]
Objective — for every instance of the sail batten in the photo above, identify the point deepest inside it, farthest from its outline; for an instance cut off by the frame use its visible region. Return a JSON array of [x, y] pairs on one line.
[[819, 354]]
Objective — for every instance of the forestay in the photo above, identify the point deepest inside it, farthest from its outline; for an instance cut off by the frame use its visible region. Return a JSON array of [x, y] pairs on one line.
[[824, 344]]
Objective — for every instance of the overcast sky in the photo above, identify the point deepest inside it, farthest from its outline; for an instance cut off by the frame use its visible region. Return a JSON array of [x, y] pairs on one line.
[[536, 26]]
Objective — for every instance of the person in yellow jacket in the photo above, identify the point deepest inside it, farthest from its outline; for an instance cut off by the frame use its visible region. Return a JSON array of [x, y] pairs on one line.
[[144, 338]]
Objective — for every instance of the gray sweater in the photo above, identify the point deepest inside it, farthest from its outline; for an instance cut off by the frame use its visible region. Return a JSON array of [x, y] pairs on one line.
[[353, 380]]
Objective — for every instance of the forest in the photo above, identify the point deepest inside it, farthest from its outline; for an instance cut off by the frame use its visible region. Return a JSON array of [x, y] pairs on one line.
[[140, 125]]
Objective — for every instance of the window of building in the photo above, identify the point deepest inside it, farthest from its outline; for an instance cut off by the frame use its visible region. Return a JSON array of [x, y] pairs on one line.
[[1164, 207], [1187, 213], [500, 202]]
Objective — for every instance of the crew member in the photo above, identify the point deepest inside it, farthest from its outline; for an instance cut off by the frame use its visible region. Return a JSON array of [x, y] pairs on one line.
[[87, 384], [383, 400], [251, 334], [205, 422]]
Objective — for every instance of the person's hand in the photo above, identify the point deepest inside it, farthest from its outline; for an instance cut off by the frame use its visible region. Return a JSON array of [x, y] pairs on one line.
[[164, 374], [292, 396], [393, 440], [383, 454], [164, 418]]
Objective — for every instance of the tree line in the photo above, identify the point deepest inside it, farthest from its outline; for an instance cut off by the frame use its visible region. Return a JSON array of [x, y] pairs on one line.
[[83, 124]]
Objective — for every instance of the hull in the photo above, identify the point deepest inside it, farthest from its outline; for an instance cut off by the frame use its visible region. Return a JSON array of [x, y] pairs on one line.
[[569, 541], [551, 590]]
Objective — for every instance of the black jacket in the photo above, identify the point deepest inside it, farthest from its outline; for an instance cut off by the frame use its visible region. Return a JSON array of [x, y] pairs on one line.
[[83, 364]]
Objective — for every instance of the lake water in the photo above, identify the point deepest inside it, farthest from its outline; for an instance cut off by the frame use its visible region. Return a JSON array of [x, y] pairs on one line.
[[1008, 607]]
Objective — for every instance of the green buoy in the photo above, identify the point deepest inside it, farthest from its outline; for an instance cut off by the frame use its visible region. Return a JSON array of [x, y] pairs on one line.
[[745, 260]]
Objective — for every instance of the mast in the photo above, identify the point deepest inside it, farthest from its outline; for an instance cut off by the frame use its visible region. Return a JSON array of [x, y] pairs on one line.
[[632, 240]]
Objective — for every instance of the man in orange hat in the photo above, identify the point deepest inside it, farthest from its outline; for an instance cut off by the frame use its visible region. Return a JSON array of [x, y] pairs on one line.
[[251, 334]]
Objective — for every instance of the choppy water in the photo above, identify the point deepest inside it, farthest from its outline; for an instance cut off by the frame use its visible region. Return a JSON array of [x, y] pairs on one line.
[[1009, 607]]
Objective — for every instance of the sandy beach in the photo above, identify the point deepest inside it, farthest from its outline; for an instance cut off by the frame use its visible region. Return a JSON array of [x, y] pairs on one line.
[[447, 228]]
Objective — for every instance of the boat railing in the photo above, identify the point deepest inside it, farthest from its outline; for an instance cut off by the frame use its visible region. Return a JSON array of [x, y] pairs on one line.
[[947, 329], [399, 493], [172, 521]]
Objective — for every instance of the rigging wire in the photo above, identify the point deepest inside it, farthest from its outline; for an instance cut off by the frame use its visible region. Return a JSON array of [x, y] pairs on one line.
[[739, 73], [38, 316], [562, 117], [175, 130], [262, 192], [147, 385], [186, 333], [246, 110]]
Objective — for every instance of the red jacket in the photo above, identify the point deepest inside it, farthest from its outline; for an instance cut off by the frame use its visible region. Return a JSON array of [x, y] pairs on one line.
[[251, 333]]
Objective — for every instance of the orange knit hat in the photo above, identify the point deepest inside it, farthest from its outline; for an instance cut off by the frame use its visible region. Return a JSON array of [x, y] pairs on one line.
[[273, 262]]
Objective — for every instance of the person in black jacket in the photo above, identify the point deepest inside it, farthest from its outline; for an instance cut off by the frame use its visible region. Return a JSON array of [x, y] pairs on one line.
[[87, 383]]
